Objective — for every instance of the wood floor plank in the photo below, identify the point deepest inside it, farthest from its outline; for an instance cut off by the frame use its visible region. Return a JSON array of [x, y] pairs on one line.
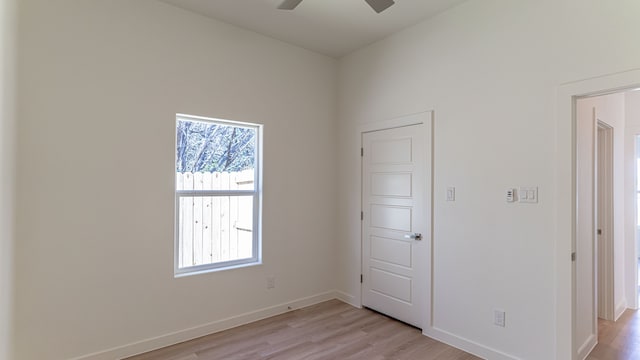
[[334, 330], [618, 340], [326, 331]]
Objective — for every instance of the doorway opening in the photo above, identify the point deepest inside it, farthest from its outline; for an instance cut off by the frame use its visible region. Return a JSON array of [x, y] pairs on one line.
[[600, 245], [568, 312]]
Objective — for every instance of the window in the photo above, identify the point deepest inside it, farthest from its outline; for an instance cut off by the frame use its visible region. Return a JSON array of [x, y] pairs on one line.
[[218, 194]]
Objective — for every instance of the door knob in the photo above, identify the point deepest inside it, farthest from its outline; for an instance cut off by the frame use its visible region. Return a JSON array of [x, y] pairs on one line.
[[414, 236]]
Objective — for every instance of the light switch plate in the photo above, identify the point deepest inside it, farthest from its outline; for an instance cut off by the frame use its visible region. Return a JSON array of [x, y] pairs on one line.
[[528, 195], [451, 193], [499, 317]]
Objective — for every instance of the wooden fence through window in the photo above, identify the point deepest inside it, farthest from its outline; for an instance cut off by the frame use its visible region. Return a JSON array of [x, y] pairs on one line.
[[214, 228]]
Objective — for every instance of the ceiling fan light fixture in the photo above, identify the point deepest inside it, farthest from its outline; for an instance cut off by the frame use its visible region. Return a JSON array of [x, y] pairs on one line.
[[380, 5], [289, 4], [377, 5]]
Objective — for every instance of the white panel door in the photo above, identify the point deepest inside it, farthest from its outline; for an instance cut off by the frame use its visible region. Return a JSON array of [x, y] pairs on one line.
[[396, 205]]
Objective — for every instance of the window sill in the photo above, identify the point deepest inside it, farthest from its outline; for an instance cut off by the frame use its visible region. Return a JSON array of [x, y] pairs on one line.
[[185, 273]]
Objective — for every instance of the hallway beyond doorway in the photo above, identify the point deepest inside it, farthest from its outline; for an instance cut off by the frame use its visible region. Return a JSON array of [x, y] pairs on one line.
[[618, 340]]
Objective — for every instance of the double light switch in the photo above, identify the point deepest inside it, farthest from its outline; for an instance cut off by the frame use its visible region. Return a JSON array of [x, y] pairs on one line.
[[523, 195], [528, 194]]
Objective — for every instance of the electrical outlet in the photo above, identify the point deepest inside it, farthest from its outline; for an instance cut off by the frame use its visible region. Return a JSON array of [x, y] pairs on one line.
[[499, 317], [271, 282]]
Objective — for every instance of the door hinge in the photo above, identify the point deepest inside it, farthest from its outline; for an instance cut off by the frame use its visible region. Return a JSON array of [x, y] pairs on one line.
[[361, 279], [361, 215], [599, 231], [573, 256], [361, 151]]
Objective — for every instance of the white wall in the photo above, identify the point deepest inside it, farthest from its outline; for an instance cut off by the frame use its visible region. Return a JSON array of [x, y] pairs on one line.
[[7, 132], [100, 83], [490, 70]]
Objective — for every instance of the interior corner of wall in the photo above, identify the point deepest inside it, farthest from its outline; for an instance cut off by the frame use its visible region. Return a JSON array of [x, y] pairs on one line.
[[621, 307]]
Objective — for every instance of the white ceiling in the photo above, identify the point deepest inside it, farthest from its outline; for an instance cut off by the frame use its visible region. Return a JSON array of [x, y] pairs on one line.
[[331, 27]]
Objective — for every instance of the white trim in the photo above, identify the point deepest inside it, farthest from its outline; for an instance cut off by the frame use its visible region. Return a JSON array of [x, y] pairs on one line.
[[466, 345], [632, 135], [399, 121], [195, 193], [585, 349], [186, 117], [347, 298], [8, 178], [585, 247], [620, 309], [256, 193], [605, 212], [565, 195], [206, 329]]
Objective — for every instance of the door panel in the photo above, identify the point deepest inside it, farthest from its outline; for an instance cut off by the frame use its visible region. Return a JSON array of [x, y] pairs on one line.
[[390, 151], [391, 251], [391, 184], [391, 284], [396, 204], [391, 217]]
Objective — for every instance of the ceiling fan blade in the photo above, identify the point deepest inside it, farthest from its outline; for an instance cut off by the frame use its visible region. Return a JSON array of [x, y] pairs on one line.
[[380, 5], [289, 4]]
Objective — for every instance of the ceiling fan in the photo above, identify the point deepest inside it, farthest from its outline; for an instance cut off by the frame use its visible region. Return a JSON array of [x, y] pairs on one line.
[[377, 5]]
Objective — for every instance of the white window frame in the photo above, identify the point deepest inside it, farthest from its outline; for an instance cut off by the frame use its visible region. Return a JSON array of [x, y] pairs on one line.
[[256, 193]]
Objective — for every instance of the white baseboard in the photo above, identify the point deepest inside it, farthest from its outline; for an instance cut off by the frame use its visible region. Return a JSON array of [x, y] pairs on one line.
[[206, 329], [620, 309], [346, 298], [242, 319], [587, 347], [466, 345]]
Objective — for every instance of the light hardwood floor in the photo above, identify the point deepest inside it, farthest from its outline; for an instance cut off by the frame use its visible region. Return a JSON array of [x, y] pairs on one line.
[[618, 340], [327, 331]]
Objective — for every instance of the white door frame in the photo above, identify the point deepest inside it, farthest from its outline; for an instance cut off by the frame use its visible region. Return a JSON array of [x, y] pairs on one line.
[[584, 266], [566, 197], [605, 249], [633, 137], [407, 120]]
